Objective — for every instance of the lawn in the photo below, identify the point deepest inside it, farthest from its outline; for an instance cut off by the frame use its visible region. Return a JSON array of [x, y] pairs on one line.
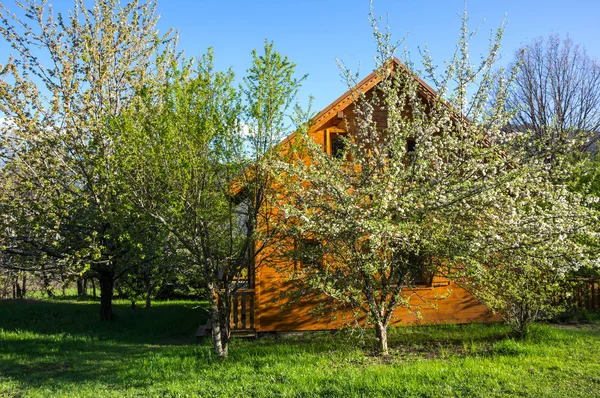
[[59, 348]]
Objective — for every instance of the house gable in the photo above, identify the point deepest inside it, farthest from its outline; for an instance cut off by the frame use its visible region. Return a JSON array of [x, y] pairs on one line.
[[331, 118]]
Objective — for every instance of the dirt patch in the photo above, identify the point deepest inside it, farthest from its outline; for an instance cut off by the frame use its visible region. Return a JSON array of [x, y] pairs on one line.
[[573, 325]]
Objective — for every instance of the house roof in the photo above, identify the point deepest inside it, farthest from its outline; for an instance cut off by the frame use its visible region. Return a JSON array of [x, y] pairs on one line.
[[348, 97], [364, 85]]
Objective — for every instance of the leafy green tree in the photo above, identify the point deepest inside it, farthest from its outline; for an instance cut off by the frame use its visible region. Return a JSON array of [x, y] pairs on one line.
[[270, 89], [197, 164], [69, 76], [181, 147]]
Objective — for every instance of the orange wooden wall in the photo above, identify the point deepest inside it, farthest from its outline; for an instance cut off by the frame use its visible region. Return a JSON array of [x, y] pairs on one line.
[[275, 311]]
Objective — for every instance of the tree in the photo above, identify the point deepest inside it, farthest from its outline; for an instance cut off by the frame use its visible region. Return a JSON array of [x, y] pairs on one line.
[[270, 90], [70, 75], [194, 168], [183, 141], [423, 191], [556, 95], [556, 99], [517, 264]]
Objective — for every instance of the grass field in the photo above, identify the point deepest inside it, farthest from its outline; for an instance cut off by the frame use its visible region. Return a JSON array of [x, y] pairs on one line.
[[60, 349]]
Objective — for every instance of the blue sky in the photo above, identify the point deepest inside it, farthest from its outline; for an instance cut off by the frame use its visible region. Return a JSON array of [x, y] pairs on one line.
[[313, 33]]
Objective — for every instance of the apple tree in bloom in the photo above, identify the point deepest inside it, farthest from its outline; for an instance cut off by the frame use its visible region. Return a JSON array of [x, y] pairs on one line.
[[431, 190]]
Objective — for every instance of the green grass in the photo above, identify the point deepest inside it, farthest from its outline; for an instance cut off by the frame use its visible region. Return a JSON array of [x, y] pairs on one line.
[[59, 348]]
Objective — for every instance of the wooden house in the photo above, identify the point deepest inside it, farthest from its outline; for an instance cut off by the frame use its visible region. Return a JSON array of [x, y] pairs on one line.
[[263, 306]]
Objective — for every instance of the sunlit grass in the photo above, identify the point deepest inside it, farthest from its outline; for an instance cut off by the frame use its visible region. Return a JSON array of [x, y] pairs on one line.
[[59, 348]]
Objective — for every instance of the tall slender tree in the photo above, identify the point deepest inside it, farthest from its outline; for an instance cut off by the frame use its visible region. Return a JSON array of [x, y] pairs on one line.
[[197, 163]]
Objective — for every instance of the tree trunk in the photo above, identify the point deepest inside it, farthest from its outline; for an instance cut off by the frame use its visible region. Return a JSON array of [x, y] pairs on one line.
[[522, 320], [94, 288], [381, 333], [225, 318], [18, 288], [219, 343], [80, 287], [24, 288], [148, 299], [106, 295], [148, 290], [46, 282], [47, 286]]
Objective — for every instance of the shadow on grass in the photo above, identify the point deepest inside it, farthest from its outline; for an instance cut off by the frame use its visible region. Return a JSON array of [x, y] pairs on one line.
[[59, 342], [166, 323], [43, 362]]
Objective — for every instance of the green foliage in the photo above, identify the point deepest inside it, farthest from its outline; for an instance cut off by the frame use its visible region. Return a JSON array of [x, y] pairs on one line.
[[191, 166], [61, 189], [180, 150], [270, 90], [181, 147]]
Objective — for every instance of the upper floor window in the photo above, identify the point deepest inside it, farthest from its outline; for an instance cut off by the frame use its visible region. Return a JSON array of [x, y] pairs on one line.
[[337, 146], [334, 141]]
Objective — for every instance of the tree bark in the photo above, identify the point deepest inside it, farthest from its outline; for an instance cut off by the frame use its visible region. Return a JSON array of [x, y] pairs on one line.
[[24, 288], [148, 290], [148, 299], [18, 289], [106, 295], [224, 317], [219, 342], [80, 286], [381, 333], [47, 285], [46, 282]]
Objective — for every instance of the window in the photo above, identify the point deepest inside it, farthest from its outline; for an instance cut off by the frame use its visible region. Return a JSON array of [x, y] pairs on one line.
[[421, 272], [308, 252], [419, 269], [337, 146], [411, 147], [417, 276]]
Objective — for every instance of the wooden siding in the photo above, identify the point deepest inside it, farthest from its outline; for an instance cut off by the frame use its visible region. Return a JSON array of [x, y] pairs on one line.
[[279, 311], [275, 310]]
